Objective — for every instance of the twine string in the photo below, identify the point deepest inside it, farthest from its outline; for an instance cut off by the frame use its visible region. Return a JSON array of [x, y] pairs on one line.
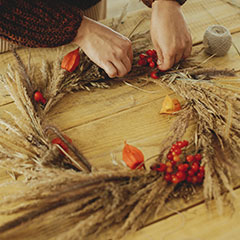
[[217, 40]]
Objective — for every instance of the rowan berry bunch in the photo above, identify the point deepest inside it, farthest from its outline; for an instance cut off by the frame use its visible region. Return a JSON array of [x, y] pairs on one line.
[[180, 167], [150, 59]]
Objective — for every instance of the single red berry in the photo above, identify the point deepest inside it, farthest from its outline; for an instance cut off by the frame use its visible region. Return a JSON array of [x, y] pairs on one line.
[[170, 156], [150, 52], [169, 169], [149, 59], [180, 144], [151, 64], [173, 153], [154, 53], [60, 143], [176, 158], [190, 158], [189, 179], [195, 167], [200, 174], [194, 179], [162, 167], [185, 143], [186, 165], [181, 167], [168, 164], [199, 180], [191, 173], [198, 157], [142, 62], [168, 177], [43, 101], [178, 151], [38, 96], [173, 162], [175, 179], [181, 175], [142, 56], [154, 75], [201, 169], [174, 146]]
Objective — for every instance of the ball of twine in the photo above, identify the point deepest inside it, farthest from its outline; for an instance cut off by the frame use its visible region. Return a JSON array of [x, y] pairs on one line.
[[217, 40]]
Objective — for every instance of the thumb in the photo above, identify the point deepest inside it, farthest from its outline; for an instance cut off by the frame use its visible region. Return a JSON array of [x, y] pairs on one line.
[[167, 62], [159, 56]]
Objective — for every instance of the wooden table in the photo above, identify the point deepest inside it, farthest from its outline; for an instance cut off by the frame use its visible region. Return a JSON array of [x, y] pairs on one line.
[[98, 122]]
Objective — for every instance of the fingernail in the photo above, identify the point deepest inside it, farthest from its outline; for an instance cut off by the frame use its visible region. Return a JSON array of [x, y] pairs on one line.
[[159, 62]]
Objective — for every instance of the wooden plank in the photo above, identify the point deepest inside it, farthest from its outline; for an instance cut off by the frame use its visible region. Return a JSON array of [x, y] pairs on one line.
[[195, 223], [200, 14], [98, 122]]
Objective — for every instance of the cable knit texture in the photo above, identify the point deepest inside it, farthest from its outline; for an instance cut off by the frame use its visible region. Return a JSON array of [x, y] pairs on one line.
[[150, 2], [46, 23]]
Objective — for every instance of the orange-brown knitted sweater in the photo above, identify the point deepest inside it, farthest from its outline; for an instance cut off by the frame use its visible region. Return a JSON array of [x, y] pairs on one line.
[[43, 23]]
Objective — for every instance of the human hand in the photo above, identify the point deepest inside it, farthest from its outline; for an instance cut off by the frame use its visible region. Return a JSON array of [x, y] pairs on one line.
[[108, 49], [169, 33]]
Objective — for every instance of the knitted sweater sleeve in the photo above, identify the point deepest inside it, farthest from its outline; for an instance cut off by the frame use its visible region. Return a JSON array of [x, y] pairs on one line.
[[44, 23], [149, 2]]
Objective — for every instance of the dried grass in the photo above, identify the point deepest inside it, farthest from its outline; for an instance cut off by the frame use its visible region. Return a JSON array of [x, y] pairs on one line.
[[90, 203]]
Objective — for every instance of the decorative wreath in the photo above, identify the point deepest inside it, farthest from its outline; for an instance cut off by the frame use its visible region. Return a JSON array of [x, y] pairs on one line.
[[59, 180]]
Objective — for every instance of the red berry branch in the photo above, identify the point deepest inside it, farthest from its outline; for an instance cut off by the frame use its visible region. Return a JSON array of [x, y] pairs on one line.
[[180, 167], [150, 59]]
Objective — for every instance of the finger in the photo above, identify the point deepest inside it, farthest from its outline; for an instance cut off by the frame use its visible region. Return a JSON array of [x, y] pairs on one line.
[[188, 49], [168, 61], [130, 54], [110, 69], [187, 52], [160, 56], [121, 68], [178, 57], [128, 64]]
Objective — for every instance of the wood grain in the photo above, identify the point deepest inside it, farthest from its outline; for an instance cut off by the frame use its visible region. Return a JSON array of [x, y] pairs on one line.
[[99, 122]]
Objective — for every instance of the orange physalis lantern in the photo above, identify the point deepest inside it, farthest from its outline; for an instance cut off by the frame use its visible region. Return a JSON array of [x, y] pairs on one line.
[[71, 60], [176, 105], [132, 156], [170, 105]]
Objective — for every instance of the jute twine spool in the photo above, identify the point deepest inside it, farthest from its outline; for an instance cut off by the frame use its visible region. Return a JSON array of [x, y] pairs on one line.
[[217, 40]]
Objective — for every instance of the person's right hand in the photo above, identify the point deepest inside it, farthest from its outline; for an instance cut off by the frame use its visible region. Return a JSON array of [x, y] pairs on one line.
[[169, 32], [108, 49]]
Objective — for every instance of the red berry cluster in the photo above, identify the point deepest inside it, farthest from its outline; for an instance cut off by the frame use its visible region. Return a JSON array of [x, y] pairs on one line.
[[148, 59], [179, 168]]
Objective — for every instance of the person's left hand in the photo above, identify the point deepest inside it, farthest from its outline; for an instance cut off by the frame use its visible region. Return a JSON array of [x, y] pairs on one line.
[[169, 33]]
